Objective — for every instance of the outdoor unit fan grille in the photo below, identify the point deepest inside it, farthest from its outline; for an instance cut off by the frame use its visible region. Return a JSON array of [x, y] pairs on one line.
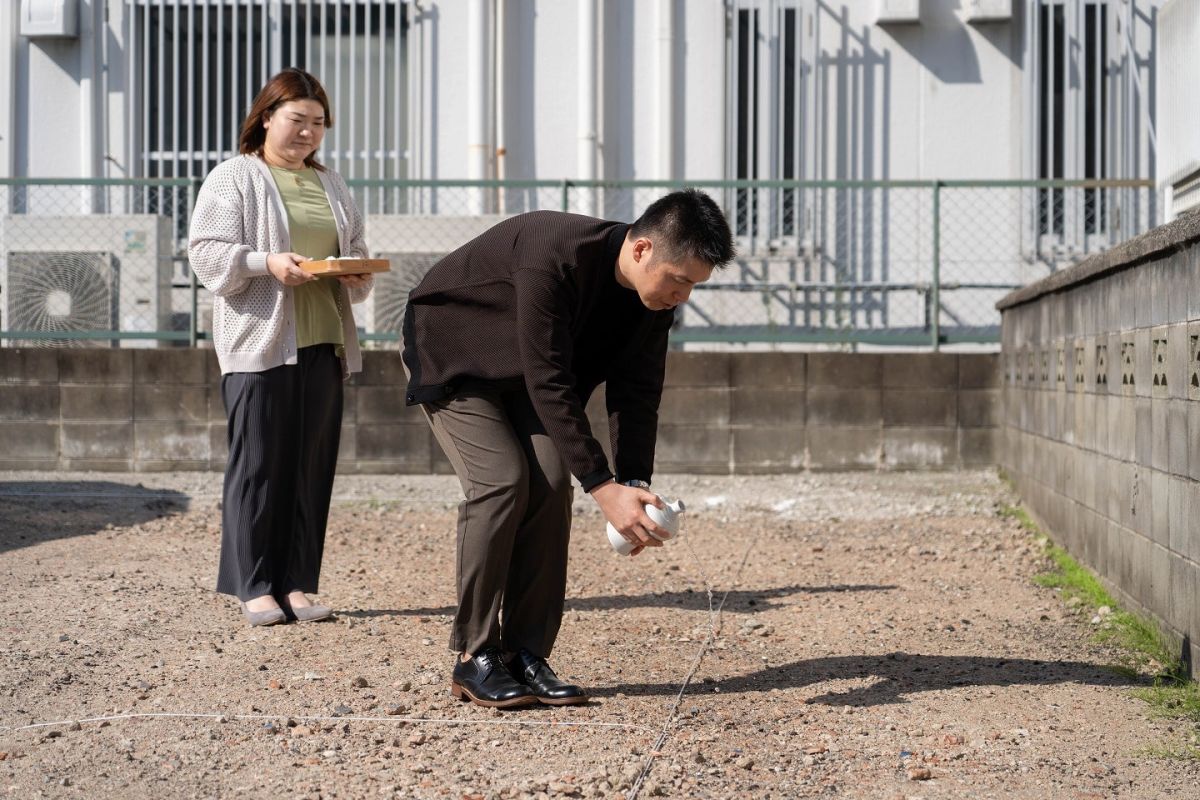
[[392, 287], [63, 291]]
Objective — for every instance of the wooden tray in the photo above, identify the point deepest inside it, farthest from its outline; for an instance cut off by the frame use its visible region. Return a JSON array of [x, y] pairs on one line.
[[346, 266]]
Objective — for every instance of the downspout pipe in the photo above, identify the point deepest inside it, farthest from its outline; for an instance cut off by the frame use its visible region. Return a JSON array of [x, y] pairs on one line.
[[499, 78], [586, 112], [91, 129], [477, 100], [666, 89]]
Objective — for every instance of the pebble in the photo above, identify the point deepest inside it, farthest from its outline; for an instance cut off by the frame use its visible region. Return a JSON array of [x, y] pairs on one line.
[[360, 683], [342, 710], [919, 774]]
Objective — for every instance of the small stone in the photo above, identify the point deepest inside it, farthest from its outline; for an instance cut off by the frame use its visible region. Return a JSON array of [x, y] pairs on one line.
[[403, 686], [75, 726], [313, 676], [745, 762], [394, 709], [3, 756], [360, 683], [62, 637], [301, 730], [952, 739], [274, 684], [342, 710], [426, 641], [919, 774]]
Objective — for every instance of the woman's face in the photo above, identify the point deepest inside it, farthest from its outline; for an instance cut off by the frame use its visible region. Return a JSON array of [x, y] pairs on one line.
[[294, 131]]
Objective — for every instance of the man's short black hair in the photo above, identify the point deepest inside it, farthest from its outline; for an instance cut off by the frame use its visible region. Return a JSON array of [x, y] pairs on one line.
[[687, 225]]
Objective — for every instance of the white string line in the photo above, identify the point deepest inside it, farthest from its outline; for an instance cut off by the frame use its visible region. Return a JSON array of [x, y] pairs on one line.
[[672, 715], [253, 717], [185, 496]]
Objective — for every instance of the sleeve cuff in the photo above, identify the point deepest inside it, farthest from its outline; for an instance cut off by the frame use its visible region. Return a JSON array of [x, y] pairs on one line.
[[256, 263], [594, 479]]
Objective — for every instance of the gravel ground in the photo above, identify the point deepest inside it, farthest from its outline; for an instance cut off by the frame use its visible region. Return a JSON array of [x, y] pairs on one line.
[[866, 635]]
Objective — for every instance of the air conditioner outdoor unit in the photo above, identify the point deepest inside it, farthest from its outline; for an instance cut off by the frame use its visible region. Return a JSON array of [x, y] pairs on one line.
[[48, 292], [92, 272], [413, 244]]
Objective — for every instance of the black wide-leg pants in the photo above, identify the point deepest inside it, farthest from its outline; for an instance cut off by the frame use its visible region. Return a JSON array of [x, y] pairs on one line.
[[284, 428]]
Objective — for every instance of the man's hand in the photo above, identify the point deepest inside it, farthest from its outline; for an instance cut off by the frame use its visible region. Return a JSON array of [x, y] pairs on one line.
[[624, 507], [283, 267]]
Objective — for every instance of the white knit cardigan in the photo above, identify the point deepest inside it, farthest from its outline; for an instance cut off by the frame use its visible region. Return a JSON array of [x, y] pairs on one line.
[[238, 221]]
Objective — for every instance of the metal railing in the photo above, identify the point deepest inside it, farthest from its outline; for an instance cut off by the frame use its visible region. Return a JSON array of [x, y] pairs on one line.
[[906, 263]]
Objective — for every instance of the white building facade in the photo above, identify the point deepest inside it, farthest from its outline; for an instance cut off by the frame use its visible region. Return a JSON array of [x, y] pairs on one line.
[[821, 109], [624, 89]]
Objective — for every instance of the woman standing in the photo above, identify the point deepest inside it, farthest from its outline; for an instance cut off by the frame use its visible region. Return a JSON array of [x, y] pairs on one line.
[[285, 341]]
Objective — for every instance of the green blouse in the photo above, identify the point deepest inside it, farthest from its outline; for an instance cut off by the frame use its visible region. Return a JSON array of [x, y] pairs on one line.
[[314, 235]]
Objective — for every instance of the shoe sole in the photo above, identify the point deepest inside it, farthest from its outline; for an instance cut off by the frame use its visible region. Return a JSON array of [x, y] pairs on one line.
[[462, 693], [564, 701]]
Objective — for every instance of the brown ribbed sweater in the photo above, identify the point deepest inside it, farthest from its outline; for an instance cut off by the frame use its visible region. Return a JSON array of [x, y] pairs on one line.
[[534, 304]]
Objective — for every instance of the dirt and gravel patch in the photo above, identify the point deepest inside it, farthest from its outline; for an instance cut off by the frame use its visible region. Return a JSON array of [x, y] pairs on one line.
[[878, 636]]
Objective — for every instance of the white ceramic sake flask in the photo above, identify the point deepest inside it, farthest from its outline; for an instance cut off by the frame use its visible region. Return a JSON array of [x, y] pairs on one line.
[[665, 518]]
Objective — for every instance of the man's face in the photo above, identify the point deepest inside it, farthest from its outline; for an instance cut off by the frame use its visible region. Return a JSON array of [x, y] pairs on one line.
[[663, 283]]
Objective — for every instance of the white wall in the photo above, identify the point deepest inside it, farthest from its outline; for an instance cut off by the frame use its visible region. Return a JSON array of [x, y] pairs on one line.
[[943, 101], [1178, 112]]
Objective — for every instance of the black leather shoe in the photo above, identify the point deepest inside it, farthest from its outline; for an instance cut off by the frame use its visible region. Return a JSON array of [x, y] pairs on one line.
[[485, 681], [535, 673]]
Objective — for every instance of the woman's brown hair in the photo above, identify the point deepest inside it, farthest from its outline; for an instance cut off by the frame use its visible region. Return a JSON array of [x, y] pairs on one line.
[[291, 84]]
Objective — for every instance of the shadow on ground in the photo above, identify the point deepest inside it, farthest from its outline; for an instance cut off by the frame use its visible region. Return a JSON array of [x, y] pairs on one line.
[[745, 601], [895, 676], [32, 512]]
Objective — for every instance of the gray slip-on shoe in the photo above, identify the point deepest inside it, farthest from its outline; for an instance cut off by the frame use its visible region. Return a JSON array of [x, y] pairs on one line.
[[304, 613], [272, 616]]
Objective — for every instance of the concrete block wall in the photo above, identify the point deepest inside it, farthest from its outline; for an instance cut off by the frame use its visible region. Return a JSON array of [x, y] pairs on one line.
[[722, 413], [1101, 417]]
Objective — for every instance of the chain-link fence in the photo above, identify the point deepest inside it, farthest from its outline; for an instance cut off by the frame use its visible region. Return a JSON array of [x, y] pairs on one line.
[[910, 263]]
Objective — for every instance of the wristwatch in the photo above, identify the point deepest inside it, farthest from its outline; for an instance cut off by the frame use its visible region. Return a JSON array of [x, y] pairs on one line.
[[636, 484]]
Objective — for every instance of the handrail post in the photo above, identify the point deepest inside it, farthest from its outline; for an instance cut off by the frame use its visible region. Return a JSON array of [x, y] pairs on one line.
[[566, 196], [935, 283]]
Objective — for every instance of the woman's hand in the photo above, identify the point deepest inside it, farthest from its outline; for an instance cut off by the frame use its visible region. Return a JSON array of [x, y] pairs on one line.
[[283, 267], [354, 281]]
